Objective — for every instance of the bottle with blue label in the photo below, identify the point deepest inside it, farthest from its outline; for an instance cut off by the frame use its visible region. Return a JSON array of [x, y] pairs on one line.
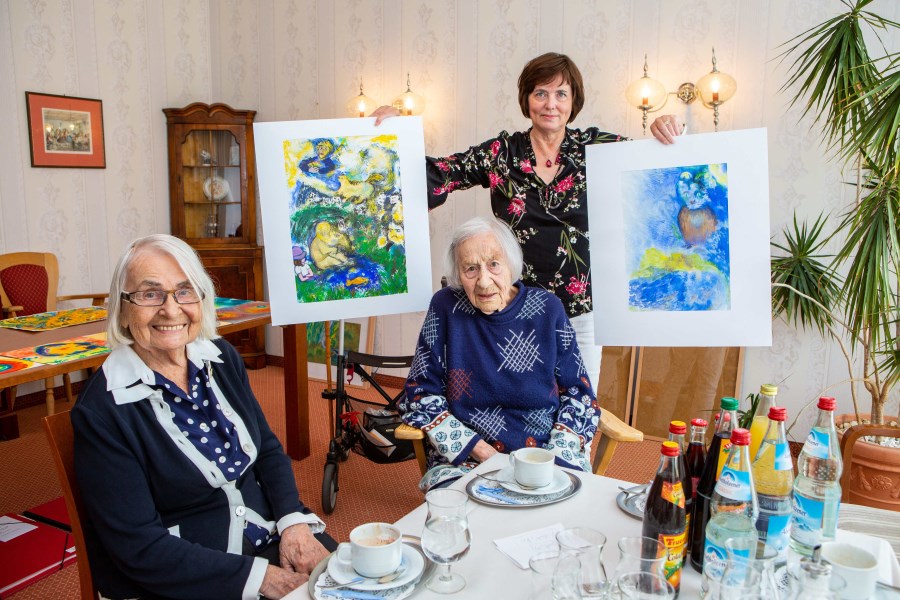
[[817, 489], [733, 509], [773, 474]]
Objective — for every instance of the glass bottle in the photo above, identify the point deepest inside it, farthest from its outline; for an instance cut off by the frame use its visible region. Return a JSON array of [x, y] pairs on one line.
[[664, 515], [773, 474], [733, 510], [760, 422], [817, 488], [677, 431], [708, 478]]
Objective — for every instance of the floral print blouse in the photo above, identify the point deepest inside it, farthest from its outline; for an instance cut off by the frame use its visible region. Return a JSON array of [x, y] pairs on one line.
[[549, 220]]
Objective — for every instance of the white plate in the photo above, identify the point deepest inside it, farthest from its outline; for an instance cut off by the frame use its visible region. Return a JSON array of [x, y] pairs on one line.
[[412, 560], [506, 478], [215, 188]]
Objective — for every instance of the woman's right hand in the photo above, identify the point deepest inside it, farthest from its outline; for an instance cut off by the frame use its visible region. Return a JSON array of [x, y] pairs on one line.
[[384, 112], [482, 451], [279, 582]]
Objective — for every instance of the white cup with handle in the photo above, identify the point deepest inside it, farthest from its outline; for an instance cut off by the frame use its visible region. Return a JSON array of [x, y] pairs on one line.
[[374, 550], [858, 567], [532, 467]]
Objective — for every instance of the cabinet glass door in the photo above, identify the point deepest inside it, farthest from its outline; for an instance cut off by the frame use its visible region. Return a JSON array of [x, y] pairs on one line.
[[211, 184]]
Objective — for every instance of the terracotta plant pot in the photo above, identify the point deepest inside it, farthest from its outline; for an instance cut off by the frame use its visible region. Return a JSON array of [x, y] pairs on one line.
[[874, 471]]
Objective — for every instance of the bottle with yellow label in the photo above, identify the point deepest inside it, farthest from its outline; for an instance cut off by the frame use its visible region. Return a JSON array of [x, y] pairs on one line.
[[664, 515], [760, 423]]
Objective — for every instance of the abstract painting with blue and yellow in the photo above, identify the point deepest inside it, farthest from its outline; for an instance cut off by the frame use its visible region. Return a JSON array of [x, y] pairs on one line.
[[677, 238], [345, 217]]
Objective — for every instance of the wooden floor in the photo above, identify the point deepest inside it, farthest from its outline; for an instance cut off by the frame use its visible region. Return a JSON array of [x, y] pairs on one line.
[[368, 491]]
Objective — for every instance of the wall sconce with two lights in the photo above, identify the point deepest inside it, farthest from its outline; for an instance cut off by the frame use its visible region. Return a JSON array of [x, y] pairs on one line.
[[713, 89], [408, 103]]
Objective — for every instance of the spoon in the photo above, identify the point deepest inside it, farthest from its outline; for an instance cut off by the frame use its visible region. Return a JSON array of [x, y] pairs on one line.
[[383, 579]]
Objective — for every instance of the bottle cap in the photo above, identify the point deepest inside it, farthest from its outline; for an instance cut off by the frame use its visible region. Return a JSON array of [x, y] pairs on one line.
[[740, 437], [768, 389], [778, 413], [699, 422], [677, 427], [729, 403], [669, 449], [827, 403]]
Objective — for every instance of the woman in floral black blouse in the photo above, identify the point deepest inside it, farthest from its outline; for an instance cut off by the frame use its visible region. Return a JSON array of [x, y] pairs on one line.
[[539, 186]]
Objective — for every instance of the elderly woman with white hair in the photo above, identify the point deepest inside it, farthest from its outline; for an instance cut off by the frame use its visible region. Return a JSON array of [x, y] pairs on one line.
[[496, 366], [188, 493]]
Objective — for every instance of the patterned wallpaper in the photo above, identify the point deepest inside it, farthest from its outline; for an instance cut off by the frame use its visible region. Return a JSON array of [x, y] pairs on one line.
[[303, 59]]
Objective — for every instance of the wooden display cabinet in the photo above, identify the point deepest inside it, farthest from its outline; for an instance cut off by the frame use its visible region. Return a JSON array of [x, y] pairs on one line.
[[212, 198]]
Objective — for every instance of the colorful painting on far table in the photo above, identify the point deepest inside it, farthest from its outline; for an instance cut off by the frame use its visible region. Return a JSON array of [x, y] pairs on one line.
[[56, 319], [235, 308], [11, 365], [64, 351]]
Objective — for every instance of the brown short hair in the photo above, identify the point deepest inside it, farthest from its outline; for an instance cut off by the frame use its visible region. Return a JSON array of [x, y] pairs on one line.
[[544, 69]]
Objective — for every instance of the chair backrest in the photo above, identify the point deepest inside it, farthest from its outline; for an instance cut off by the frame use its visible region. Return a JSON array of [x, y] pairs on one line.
[[59, 432], [848, 441], [29, 280]]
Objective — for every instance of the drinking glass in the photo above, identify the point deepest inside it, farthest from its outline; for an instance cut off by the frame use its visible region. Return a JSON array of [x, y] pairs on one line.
[[586, 545], [750, 568], [645, 586], [554, 576], [638, 555], [445, 538]]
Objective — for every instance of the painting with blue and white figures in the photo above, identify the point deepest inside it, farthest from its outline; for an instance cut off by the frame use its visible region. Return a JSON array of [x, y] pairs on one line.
[[346, 217], [676, 238]]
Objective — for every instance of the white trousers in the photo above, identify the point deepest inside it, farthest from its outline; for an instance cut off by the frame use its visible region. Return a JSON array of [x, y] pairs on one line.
[[591, 353]]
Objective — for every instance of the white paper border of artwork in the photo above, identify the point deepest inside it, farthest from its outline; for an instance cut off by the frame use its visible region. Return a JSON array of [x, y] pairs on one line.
[[274, 201], [749, 320]]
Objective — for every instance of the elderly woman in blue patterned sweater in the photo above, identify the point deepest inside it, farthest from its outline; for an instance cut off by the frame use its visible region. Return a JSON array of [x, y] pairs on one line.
[[496, 366]]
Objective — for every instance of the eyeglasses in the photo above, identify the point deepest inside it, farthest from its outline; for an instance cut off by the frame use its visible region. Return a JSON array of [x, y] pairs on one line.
[[158, 297]]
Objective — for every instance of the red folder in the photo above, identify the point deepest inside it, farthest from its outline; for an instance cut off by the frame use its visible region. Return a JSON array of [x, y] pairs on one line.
[[52, 513], [33, 555]]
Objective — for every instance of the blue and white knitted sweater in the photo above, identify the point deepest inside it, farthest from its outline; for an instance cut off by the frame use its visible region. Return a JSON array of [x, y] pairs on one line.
[[514, 378]]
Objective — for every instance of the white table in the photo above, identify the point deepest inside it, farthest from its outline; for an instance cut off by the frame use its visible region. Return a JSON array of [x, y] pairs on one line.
[[490, 574]]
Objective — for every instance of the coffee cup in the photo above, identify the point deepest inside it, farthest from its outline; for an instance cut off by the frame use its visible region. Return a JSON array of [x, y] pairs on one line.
[[532, 467], [375, 549], [858, 567]]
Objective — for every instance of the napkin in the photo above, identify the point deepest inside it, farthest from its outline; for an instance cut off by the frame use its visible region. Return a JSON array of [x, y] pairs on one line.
[[888, 567], [521, 547]]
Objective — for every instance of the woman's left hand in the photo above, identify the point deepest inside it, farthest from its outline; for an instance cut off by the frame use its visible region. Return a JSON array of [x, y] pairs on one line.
[[667, 127], [300, 551]]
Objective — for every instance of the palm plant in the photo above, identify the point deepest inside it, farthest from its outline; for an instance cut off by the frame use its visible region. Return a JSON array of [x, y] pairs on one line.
[[851, 295]]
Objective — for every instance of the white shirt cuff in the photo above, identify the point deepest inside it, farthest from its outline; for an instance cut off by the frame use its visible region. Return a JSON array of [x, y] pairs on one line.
[[255, 580], [316, 525]]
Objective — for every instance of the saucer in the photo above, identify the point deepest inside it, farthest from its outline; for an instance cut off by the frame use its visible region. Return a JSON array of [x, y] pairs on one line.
[[560, 482], [343, 573]]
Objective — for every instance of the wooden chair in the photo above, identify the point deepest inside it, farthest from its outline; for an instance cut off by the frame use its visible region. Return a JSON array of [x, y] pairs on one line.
[[611, 431], [28, 285], [58, 429], [848, 441]]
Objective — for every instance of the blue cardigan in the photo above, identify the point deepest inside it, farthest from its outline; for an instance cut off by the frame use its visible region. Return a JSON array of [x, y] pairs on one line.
[[157, 525], [514, 378]]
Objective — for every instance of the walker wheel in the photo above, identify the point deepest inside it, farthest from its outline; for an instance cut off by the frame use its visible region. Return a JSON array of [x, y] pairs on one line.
[[329, 487]]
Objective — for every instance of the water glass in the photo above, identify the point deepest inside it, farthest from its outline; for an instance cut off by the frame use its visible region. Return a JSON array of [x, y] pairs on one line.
[[446, 538], [750, 568], [645, 586], [586, 545], [554, 576], [638, 555]]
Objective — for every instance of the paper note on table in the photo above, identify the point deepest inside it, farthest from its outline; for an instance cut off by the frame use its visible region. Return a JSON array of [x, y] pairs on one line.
[[521, 547], [12, 528]]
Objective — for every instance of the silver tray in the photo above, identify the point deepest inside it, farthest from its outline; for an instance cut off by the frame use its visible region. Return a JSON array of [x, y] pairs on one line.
[[632, 504], [410, 540], [500, 496]]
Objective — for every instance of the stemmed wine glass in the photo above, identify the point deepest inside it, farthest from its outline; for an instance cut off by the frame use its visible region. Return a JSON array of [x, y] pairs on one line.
[[445, 538]]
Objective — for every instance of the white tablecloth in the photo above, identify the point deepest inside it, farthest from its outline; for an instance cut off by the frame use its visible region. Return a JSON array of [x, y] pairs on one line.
[[492, 575]]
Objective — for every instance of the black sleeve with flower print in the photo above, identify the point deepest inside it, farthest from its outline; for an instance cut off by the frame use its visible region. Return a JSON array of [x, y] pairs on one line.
[[549, 220]]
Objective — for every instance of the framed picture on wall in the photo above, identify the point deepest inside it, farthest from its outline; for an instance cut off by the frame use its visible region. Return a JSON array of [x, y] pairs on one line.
[[65, 131], [359, 336]]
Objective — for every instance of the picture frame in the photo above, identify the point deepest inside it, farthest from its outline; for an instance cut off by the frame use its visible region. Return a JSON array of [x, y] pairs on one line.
[[359, 336], [65, 131]]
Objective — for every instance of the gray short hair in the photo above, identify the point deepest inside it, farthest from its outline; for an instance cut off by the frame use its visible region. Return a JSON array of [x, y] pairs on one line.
[[187, 260], [476, 226]]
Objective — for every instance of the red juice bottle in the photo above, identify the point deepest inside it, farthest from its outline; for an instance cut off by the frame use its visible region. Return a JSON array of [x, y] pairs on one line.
[[708, 477], [677, 431], [664, 515], [694, 458]]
